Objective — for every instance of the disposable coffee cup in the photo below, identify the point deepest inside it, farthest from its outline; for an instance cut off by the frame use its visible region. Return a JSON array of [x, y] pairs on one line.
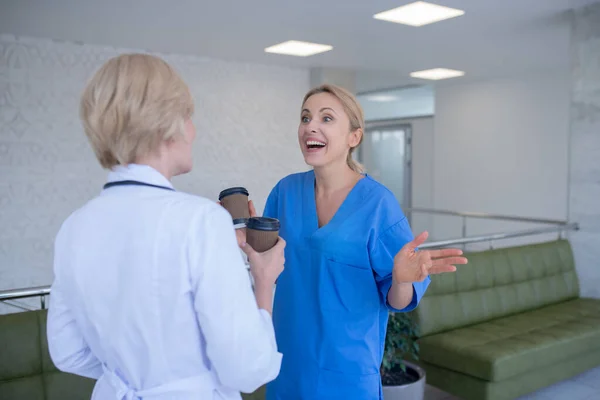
[[262, 233], [235, 200]]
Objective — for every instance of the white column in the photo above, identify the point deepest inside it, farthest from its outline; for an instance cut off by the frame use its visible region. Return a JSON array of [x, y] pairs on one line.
[[584, 174]]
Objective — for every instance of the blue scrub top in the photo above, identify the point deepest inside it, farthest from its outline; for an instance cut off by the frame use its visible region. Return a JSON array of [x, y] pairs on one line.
[[331, 310]]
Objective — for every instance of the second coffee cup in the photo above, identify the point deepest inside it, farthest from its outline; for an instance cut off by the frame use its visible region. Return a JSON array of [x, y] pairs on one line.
[[262, 233], [235, 200]]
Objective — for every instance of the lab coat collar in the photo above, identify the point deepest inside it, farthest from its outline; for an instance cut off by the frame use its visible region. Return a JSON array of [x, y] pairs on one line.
[[138, 172]]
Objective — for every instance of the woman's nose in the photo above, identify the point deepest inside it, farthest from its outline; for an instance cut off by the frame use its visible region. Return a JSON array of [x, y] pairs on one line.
[[312, 126]]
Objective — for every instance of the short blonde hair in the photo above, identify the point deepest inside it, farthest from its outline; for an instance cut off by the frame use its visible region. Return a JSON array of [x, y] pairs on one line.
[[131, 104], [352, 109]]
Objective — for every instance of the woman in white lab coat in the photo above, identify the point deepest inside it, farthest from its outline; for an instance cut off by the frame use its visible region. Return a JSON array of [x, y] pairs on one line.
[[151, 296]]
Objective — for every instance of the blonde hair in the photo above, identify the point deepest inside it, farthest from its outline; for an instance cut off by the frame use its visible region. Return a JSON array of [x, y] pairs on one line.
[[131, 104], [354, 112]]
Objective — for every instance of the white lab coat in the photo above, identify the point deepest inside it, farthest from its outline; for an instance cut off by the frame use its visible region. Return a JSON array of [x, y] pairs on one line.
[[152, 298]]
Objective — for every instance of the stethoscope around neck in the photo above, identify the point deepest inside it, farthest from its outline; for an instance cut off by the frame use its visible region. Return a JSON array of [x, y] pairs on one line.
[[135, 183], [138, 183]]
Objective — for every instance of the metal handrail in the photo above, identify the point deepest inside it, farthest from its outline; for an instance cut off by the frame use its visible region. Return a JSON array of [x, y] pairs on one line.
[[573, 226], [486, 216], [45, 290], [24, 293], [39, 291]]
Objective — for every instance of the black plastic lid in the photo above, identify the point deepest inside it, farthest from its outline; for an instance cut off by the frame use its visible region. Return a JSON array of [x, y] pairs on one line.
[[263, 224], [238, 221], [233, 190]]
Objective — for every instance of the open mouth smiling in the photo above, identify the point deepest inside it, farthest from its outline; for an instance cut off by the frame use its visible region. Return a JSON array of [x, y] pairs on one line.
[[315, 144]]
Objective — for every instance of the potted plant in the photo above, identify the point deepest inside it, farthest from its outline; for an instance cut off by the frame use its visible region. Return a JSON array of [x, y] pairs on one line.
[[400, 378]]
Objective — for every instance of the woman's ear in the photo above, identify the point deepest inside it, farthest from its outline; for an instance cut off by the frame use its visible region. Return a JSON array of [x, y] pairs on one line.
[[355, 137]]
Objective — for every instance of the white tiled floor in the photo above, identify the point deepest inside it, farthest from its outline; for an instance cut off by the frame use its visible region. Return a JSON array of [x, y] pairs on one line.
[[582, 387]]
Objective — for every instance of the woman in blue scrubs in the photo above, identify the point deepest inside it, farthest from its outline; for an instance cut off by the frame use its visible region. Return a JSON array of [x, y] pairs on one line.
[[350, 259]]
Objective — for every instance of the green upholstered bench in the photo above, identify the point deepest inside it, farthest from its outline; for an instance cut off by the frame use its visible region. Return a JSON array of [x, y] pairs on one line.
[[26, 370], [508, 323]]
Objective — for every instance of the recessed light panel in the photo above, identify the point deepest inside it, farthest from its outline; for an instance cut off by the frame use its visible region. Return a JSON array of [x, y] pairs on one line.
[[437, 74], [381, 98], [418, 14], [298, 48]]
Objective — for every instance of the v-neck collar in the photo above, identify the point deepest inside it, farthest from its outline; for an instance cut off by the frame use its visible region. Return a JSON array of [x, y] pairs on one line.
[[347, 207]]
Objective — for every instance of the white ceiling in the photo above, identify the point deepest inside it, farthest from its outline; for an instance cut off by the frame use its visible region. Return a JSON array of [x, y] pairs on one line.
[[494, 38]]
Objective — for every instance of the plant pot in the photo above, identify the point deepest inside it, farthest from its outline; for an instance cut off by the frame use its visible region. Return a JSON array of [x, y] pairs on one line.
[[414, 389]]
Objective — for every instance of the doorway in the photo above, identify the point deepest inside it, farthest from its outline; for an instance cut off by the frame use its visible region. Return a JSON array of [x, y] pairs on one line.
[[386, 155]]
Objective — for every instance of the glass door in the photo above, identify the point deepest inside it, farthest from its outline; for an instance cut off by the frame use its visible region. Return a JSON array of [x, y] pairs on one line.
[[386, 154]]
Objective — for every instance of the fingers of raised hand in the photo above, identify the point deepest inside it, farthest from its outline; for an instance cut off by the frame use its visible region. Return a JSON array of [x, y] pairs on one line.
[[445, 253], [440, 269], [449, 260], [419, 240], [424, 256]]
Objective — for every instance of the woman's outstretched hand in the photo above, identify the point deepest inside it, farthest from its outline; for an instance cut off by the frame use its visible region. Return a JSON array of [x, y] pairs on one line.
[[266, 267], [412, 265]]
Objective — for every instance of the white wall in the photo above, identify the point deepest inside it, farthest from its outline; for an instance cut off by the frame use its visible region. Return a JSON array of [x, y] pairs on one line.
[[409, 102], [414, 106], [246, 116], [497, 146], [501, 147], [584, 202]]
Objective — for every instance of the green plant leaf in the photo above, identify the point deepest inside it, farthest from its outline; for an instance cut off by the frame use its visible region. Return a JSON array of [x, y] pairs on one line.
[[400, 342]]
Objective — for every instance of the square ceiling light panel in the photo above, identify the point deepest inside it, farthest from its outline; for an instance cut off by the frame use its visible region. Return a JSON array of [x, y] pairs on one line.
[[437, 74], [298, 48], [419, 13]]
